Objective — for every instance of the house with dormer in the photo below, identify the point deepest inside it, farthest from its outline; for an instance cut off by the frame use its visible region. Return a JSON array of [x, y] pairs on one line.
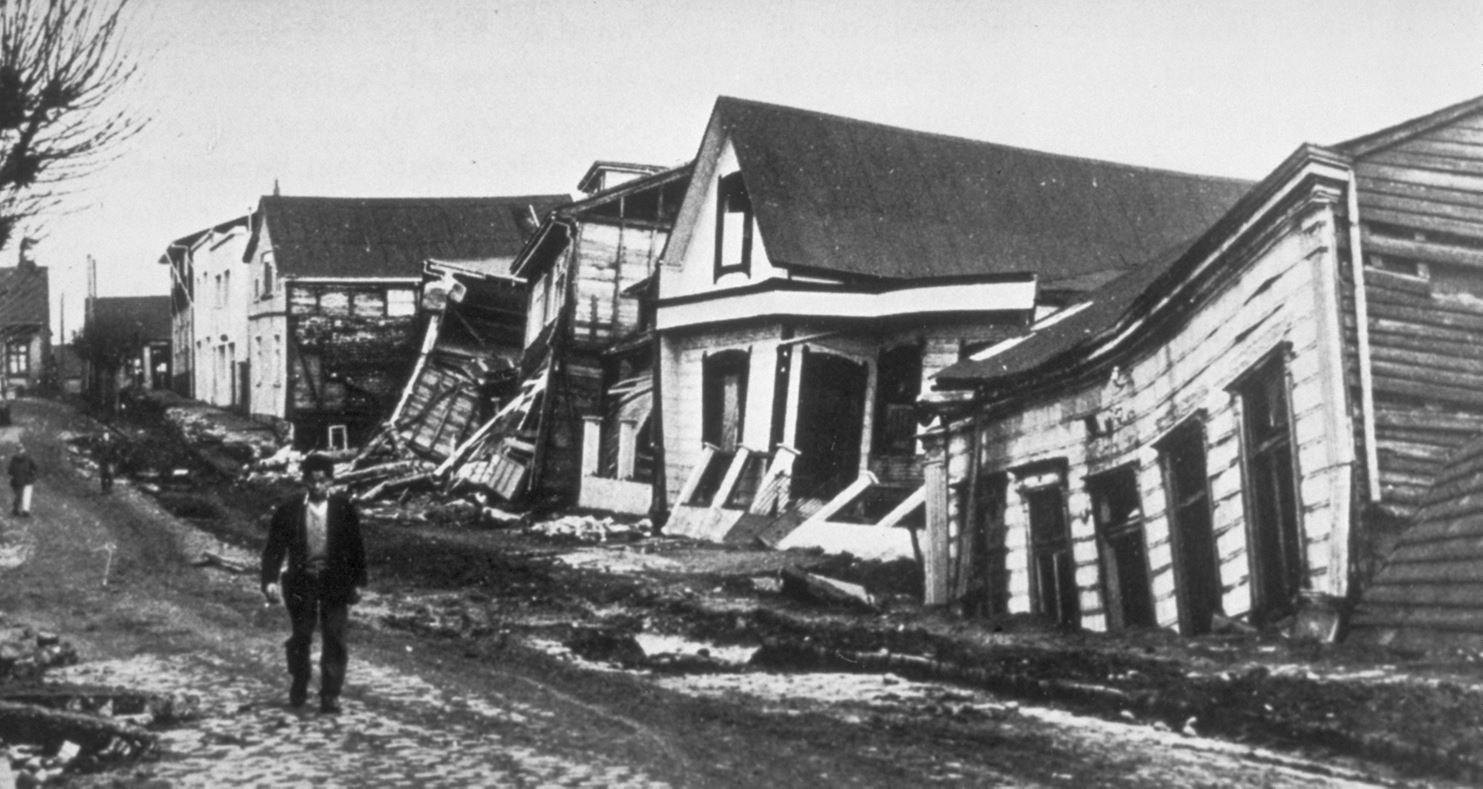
[[334, 327], [822, 269]]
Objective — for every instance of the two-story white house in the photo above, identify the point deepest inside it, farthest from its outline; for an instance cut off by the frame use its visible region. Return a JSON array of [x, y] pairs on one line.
[[208, 313], [821, 268]]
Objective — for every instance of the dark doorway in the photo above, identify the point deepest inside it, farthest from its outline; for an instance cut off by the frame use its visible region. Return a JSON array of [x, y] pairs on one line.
[[831, 416], [1196, 561], [1117, 510], [988, 586], [1053, 565], [724, 398], [1272, 510]]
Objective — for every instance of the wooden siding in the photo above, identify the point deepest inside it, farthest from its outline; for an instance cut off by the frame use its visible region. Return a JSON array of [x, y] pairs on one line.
[[610, 258], [1274, 290], [344, 368], [1421, 218]]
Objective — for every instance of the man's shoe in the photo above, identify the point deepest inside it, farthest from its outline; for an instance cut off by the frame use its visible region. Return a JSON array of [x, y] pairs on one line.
[[298, 694], [329, 705]]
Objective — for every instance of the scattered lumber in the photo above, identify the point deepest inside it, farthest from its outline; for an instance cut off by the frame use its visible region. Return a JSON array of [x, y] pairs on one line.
[[213, 559], [28, 723], [806, 586]]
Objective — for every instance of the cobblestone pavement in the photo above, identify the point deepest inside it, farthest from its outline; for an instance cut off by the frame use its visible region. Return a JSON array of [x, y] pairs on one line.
[[410, 733]]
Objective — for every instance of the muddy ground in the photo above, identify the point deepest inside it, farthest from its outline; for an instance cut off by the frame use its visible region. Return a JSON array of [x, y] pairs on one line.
[[1421, 713]]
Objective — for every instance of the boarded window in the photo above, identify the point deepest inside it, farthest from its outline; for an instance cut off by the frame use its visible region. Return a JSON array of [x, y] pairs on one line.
[[1117, 510], [1272, 509], [401, 302], [1196, 565], [724, 398], [733, 226], [334, 302], [898, 383], [1052, 565], [369, 303]]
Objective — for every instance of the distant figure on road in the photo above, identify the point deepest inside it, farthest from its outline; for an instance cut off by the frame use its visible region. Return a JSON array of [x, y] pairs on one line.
[[22, 480], [320, 536], [107, 457]]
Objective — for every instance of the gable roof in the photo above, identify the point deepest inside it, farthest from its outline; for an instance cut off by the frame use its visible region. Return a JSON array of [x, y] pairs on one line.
[[25, 297], [1062, 350], [392, 236], [176, 250], [144, 317], [1390, 135], [851, 197]]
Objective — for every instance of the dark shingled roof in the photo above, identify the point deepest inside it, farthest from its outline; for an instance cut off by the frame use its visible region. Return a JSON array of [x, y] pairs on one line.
[[25, 297], [144, 317], [1429, 593], [391, 237], [1091, 318], [852, 197]]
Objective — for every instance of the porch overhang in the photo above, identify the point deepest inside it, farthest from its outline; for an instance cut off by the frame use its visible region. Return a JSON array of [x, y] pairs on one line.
[[787, 299]]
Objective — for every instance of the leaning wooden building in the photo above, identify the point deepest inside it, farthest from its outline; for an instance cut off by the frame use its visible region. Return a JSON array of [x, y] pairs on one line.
[[1244, 427]]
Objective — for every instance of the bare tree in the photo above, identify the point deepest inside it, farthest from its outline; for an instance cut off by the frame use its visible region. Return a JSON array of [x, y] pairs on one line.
[[61, 68]]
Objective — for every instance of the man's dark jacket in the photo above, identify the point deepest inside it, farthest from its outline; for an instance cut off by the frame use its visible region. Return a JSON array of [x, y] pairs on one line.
[[345, 556]]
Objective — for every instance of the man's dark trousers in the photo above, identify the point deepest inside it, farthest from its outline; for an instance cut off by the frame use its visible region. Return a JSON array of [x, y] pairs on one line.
[[303, 593]]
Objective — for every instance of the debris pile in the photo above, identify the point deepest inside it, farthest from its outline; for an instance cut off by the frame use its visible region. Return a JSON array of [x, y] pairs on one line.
[[25, 654], [587, 528], [49, 730]]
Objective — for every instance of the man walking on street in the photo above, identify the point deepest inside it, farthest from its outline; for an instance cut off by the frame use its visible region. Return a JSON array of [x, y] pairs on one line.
[[22, 481], [320, 536]]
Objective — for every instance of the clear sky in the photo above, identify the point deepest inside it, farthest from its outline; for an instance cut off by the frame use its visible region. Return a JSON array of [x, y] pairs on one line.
[[491, 97]]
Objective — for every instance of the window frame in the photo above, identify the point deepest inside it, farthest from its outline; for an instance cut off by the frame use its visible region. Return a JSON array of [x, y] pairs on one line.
[[732, 198]]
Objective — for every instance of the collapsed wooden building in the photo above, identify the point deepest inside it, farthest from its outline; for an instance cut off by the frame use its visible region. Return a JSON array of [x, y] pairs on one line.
[[573, 347], [332, 315], [1245, 427]]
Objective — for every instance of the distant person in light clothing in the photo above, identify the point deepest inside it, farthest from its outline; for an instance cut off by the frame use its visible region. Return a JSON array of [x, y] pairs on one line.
[[320, 536], [23, 473]]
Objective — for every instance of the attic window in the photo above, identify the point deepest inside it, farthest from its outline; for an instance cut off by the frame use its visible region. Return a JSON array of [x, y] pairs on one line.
[[733, 226]]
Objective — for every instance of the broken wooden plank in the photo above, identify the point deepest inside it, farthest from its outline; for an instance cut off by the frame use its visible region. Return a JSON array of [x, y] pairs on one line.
[[28, 723], [212, 559], [807, 586]]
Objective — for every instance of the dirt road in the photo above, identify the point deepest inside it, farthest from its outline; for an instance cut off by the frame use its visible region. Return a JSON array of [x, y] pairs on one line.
[[496, 705]]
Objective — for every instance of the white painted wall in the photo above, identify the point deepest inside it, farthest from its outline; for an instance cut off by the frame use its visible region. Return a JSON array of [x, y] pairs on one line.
[[1285, 294]]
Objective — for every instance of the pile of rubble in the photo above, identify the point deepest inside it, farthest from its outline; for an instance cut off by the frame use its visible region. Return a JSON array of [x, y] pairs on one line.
[[587, 528], [47, 730]]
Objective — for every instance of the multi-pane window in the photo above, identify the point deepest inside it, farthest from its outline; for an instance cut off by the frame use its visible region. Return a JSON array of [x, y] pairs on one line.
[[17, 358], [1191, 533], [899, 382], [1272, 508], [1053, 566], [733, 226], [1117, 510]]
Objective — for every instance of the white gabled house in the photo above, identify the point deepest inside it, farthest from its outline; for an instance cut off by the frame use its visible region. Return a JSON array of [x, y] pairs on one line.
[[821, 268]]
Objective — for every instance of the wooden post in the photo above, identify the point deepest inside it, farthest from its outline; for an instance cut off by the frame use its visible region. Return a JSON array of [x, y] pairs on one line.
[[733, 474], [628, 431], [865, 480], [693, 481], [591, 444], [935, 559]]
